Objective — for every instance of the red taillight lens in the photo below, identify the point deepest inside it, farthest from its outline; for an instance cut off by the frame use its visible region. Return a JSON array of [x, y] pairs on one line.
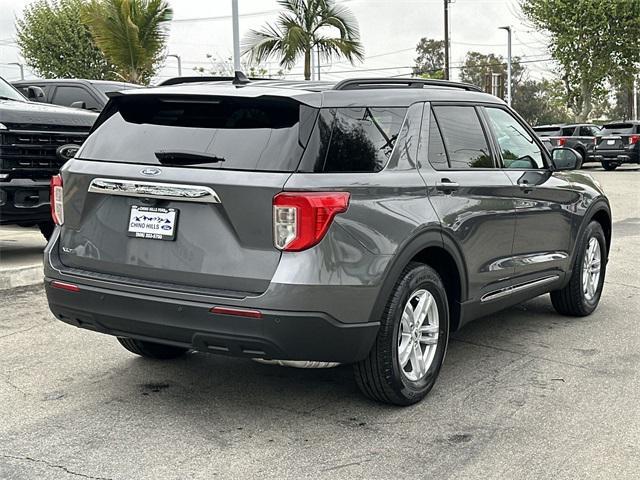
[[633, 139], [561, 141], [69, 287], [301, 219], [57, 210]]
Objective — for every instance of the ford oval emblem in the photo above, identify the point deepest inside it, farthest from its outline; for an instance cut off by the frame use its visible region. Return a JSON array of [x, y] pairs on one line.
[[151, 171], [65, 152]]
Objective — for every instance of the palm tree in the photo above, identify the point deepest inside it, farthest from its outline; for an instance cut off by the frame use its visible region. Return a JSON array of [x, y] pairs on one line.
[[130, 33], [303, 25]]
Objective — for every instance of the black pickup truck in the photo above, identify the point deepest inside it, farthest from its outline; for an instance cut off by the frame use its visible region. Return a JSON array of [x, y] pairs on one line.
[[619, 143], [581, 137], [35, 140], [78, 93]]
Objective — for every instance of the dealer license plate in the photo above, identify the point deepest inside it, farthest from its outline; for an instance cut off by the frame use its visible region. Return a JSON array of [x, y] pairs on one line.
[[154, 223]]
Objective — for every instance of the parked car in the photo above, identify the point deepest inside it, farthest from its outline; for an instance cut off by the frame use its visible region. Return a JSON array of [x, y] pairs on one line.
[[35, 140], [360, 222], [619, 143], [77, 93], [581, 137]]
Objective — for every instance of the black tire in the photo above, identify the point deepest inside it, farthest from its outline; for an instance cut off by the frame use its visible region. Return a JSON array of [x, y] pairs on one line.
[[46, 229], [609, 166], [156, 351], [571, 300], [380, 376]]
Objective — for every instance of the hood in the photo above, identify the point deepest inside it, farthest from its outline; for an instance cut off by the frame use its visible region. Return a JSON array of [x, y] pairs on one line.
[[44, 114]]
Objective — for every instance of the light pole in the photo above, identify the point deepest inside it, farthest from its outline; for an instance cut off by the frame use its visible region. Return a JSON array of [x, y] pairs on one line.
[[177, 57], [446, 39], [508, 29], [236, 35], [21, 68]]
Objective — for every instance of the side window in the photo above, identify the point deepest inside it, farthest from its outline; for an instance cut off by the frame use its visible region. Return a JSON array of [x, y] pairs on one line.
[[463, 137], [361, 140], [586, 131], [434, 148], [518, 148], [65, 95], [568, 131]]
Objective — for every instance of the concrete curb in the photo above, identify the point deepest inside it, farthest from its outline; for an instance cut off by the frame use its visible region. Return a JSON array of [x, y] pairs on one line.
[[21, 276]]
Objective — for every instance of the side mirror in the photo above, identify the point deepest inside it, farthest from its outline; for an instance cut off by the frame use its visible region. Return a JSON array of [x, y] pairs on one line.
[[35, 94], [78, 104], [565, 158]]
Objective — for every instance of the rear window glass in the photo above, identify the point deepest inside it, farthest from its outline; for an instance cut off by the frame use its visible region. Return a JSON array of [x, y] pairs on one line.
[[618, 128], [212, 132], [358, 139], [547, 131]]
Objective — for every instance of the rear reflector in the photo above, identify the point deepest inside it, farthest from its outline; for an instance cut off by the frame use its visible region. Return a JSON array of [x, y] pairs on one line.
[[70, 287], [238, 312], [56, 196], [301, 219]]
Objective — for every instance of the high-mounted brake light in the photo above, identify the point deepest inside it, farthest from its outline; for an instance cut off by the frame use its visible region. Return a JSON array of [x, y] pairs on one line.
[[633, 139], [57, 210], [301, 219]]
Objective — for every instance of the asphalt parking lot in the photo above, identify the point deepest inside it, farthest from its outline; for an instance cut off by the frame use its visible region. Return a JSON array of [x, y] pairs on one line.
[[524, 394]]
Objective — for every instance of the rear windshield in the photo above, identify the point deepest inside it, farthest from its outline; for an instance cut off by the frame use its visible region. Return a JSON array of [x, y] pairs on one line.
[[547, 131], [214, 132], [618, 129]]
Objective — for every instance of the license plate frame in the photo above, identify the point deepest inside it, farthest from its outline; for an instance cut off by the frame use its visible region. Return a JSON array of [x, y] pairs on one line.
[[153, 223]]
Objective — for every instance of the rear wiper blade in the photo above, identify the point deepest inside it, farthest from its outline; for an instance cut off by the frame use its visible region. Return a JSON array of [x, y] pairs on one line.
[[186, 158]]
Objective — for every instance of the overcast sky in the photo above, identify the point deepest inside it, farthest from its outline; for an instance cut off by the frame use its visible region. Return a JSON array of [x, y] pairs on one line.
[[390, 30]]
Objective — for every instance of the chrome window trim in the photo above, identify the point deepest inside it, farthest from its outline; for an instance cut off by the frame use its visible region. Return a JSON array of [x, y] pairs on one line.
[[164, 191]]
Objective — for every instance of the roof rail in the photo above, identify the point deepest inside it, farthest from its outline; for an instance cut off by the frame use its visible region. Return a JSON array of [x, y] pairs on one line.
[[395, 82]]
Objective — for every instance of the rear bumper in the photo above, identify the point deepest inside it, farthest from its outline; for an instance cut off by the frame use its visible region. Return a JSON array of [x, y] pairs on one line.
[[617, 156], [24, 201], [277, 335]]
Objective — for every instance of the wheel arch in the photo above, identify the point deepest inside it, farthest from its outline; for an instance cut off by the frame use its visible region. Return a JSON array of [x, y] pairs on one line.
[[601, 213], [434, 248]]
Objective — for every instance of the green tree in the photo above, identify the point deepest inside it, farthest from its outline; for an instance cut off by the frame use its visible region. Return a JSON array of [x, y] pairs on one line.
[[478, 65], [589, 39], [302, 26], [541, 102], [430, 60], [55, 44], [131, 33]]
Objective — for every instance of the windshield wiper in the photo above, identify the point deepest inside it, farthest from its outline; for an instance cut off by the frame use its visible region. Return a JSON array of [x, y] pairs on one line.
[[186, 158]]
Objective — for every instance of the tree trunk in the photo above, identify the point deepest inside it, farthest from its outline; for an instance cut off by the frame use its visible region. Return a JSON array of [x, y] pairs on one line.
[[307, 64], [585, 93]]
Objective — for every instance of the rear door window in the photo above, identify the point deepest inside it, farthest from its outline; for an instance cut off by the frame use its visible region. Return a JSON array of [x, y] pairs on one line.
[[464, 137], [568, 131], [229, 133]]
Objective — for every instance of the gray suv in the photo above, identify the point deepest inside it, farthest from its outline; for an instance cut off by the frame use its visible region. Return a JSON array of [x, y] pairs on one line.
[[360, 222]]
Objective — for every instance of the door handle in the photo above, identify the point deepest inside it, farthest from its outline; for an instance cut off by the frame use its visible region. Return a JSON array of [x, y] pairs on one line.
[[447, 186], [526, 186]]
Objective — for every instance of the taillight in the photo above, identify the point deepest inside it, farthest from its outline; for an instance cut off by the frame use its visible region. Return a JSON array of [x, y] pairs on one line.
[[301, 219], [57, 210], [633, 139], [561, 141]]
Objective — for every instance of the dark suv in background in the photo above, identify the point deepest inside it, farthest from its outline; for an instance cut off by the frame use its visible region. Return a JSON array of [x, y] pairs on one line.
[[77, 93], [619, 143], [35, 140], [359, 222], [581, 137]]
